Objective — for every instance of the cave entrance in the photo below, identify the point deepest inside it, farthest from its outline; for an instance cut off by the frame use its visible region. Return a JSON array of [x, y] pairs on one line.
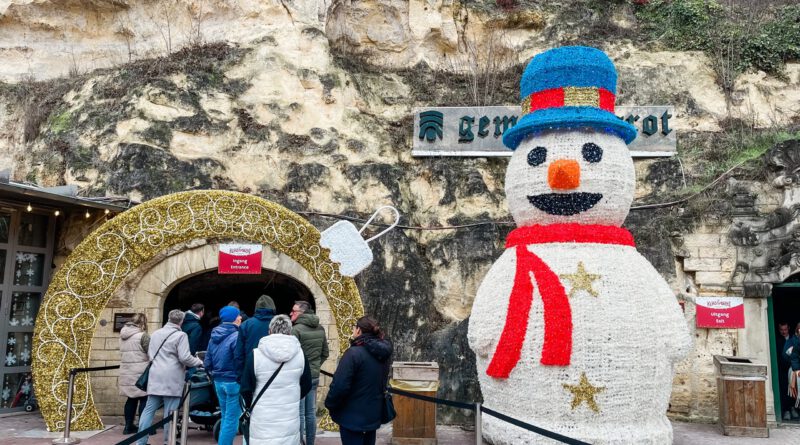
[[784, 309], [215, 290]]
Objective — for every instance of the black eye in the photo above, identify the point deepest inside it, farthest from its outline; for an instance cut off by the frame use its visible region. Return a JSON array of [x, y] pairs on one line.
[[537, 156], [592, 153]]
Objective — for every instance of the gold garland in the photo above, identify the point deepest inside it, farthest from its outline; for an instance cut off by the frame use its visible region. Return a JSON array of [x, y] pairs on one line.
[[81, 288]]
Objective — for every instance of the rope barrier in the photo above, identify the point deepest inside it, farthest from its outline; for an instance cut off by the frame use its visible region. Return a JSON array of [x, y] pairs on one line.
[[436, 400], [535, 429], [75, 371], [133, 438], [477, 406], [152, 428]]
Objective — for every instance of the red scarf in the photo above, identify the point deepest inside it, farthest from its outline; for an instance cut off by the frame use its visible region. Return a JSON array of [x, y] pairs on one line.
[[557, 346]]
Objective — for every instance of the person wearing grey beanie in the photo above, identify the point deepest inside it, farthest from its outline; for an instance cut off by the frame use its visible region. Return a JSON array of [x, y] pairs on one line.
[[253, 330]]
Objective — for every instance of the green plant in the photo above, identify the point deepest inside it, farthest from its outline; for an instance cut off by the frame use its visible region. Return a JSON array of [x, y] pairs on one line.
[[737, 36], [60, 122]]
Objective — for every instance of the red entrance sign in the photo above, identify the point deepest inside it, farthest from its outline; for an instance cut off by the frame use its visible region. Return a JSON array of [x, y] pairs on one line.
[[240, 259], [720, 312]]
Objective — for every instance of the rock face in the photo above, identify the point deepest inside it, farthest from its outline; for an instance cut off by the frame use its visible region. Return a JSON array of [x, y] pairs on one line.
[[308, 103]]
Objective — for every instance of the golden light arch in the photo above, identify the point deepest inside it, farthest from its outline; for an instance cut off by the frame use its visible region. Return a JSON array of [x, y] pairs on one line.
[[82, 287]]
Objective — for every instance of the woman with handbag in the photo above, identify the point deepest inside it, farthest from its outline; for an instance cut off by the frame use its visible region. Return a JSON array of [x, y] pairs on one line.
[[133, 344], [275, 378], [357, 399]]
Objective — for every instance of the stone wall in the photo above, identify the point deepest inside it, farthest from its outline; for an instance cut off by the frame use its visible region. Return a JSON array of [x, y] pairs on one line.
[[308, 103]]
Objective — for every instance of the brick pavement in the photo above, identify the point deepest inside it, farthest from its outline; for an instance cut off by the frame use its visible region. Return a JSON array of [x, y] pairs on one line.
[[28, 429]]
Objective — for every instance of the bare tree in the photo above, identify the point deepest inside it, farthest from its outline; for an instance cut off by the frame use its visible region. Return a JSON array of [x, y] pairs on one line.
[[125, 28], [483, 62], [163, 16], [742, 21], [196, 13]]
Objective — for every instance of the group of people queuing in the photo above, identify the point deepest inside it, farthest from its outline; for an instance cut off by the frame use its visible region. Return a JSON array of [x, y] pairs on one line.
[[788, 349], [242, 356]]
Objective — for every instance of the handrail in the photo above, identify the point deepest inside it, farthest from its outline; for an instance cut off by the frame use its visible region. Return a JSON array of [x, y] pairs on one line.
[[65, 439]]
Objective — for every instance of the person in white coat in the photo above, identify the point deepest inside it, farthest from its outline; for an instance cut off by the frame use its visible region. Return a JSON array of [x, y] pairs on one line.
[[134, 342], [275, 417]]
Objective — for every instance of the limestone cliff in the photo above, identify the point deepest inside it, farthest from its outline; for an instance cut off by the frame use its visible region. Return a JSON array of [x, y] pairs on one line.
[[308, 103]]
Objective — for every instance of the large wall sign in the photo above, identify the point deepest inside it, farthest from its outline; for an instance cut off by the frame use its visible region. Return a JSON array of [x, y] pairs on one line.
[[720, 312], [478, 131], [239, 259]]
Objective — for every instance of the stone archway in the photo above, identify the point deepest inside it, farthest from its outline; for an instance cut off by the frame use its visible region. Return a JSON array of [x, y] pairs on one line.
[[124, 249]]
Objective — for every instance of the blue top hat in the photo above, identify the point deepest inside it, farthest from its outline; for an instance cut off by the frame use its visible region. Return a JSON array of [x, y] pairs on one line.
[[568, 87]]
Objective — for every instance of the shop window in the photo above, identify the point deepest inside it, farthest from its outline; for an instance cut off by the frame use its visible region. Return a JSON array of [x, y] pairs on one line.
[[26, 252], [18, 349], [24, 307], [5, 227], [33, 230], [17, 388], [29, 269]]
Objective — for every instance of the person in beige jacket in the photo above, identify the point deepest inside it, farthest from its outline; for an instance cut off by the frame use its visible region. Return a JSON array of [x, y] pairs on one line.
[[133, 344], [168, 371]]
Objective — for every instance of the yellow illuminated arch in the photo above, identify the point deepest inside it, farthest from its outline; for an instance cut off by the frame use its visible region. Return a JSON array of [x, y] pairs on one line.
[[82, 287]]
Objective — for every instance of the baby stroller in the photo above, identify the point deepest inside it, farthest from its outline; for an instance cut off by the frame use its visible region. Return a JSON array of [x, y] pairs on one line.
[[203, 403]]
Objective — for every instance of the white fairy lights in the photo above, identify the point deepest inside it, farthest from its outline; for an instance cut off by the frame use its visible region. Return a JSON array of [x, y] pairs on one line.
[[82, 286], [627, 328]]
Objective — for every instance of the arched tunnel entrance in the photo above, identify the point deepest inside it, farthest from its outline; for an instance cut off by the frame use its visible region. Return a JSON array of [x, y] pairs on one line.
[[215, 290], [163, 254]]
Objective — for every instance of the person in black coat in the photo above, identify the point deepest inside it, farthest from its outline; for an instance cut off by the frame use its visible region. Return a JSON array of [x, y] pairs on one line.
[[784, 363], [356, 395], [193, 329], [252, 331]]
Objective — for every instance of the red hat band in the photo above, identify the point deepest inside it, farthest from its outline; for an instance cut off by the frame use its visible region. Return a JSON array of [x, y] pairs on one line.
[[569, 97]]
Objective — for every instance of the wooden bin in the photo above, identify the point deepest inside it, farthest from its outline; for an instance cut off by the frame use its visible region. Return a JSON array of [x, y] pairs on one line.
[[415, 423], [741, 389]]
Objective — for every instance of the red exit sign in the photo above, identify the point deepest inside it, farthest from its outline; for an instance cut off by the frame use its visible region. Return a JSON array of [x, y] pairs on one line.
[[720, 312]]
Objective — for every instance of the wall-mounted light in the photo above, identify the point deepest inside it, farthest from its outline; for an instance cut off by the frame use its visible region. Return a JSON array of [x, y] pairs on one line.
[[29, 208], [57, 212], [87, 214], [106, 211]]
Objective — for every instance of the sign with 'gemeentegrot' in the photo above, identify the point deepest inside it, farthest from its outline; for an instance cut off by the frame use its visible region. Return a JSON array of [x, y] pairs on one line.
[[478, 131]]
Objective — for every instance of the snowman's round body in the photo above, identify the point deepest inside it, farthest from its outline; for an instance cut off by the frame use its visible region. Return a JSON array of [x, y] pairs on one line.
[[627, 329], [625, 338]]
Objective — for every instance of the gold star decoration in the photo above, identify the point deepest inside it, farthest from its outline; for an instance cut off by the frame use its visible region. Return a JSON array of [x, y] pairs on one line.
[[581, 280], [584, 392]]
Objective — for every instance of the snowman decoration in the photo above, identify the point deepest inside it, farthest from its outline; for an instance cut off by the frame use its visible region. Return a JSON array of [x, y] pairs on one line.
[[573, 330]]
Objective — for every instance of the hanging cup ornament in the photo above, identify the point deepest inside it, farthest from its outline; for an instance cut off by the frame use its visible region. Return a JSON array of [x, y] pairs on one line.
[[348, 248]]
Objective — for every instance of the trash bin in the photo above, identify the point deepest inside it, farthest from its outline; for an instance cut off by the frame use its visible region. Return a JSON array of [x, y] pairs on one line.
[[741, 389], [416, 419]]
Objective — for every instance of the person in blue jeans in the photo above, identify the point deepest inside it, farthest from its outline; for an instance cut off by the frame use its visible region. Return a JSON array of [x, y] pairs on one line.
[[220, 363]]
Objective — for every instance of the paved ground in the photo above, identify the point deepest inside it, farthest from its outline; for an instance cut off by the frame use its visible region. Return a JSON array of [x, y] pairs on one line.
[[28, 429]]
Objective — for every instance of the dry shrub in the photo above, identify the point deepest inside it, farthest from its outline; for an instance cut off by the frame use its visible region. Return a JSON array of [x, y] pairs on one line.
[[483, 62]]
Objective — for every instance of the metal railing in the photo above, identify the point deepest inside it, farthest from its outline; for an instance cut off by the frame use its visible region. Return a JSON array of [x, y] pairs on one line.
[[65, 439], [183, 407]]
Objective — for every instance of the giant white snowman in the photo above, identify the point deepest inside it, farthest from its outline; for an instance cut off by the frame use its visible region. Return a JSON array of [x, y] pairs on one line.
[[573, 330]]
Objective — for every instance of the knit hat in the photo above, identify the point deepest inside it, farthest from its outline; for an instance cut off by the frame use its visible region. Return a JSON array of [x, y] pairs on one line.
[[265, 302], [228, 314], [568, 87]]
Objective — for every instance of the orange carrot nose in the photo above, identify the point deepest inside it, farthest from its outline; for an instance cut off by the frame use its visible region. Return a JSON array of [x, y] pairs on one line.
[[564, 174]]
